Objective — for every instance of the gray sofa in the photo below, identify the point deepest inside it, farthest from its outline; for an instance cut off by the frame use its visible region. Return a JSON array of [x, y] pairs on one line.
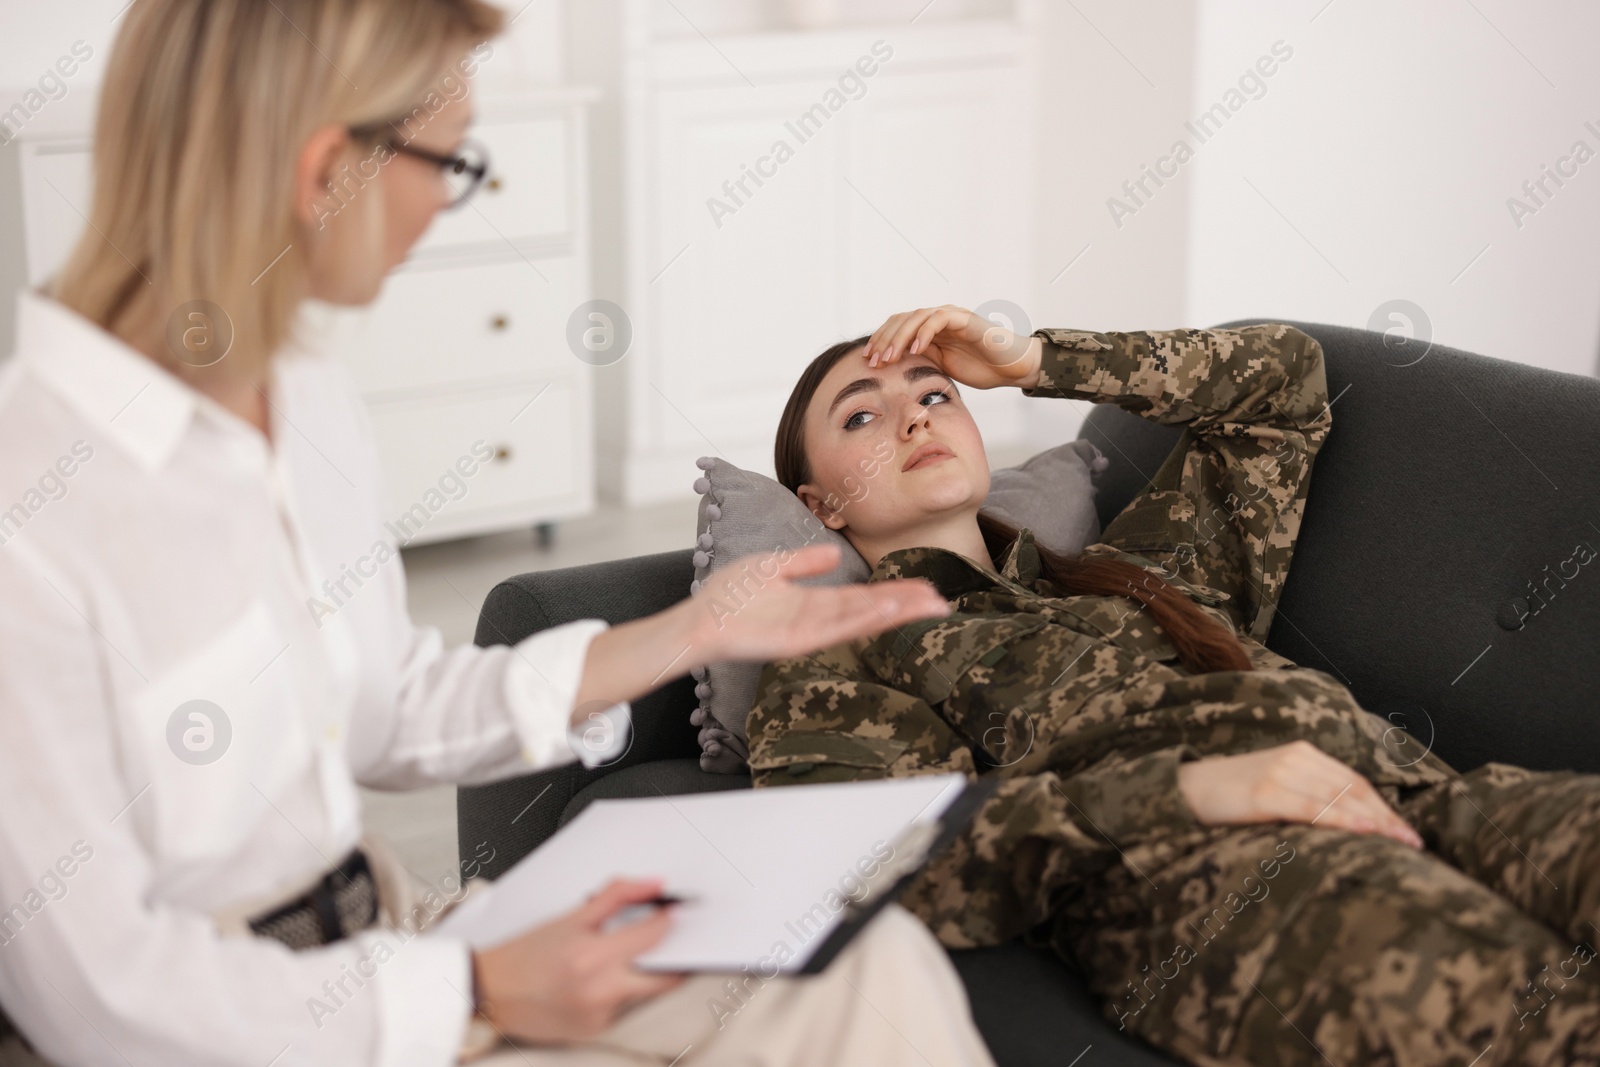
[[1435, 575]]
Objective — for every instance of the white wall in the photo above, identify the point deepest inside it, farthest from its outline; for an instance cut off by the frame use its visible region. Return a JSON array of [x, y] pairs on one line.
[[1113, 91], [36, 35], [1391, 142]]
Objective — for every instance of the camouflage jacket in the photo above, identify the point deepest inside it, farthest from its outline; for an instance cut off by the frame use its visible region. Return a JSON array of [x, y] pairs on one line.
[[1080, 702]]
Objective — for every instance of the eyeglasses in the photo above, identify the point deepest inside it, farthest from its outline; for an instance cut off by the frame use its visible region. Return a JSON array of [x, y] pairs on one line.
[[463, 172]]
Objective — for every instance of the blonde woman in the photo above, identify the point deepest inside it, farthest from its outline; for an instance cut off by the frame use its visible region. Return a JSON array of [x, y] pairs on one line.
[[180, 740]]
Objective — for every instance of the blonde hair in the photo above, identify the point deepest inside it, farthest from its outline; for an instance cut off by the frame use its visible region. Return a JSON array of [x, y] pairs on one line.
[[204, 110]]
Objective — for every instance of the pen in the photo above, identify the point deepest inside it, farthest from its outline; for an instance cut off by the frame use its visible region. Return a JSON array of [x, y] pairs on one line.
[[640, 910]]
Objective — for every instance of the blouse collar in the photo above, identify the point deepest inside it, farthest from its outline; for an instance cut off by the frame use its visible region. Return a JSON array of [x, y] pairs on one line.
[[140, 406]]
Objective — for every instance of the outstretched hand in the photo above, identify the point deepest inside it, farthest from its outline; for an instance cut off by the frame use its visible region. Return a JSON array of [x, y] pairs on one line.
[[753, 610], [756, 611], [966, 346]]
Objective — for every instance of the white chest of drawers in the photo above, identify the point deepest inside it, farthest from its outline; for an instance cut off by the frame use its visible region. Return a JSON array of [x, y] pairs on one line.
[[464, 349]]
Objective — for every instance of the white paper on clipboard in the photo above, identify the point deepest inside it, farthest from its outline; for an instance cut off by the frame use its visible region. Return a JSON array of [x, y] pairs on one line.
[[763, 868]]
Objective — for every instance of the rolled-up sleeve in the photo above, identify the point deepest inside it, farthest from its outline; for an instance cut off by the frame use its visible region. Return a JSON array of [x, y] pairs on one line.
[[470, 715], [1124, 797]]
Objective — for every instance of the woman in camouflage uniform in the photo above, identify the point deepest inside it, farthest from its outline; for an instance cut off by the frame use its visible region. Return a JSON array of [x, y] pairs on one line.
[[1248, 866]]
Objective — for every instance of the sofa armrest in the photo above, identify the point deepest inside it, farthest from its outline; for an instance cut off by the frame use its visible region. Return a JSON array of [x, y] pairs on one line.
[[503, 821]]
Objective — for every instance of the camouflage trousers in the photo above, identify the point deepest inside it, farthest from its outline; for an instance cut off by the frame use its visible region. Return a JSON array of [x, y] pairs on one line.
[[1291, 944]]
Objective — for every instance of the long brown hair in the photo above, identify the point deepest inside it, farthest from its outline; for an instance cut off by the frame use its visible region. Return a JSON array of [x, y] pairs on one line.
[[1202, 643]]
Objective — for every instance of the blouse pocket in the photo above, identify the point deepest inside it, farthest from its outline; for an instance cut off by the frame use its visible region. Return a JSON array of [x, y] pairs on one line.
[[220, 734], [1162, 520]]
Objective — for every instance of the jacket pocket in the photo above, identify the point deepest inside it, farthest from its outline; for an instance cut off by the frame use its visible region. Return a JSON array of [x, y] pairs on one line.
[[802, 751], [927, 658], [1163, 523], [1161, 520]]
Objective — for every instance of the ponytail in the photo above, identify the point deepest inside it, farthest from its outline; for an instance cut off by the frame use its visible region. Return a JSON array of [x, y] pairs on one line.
[[1202, 643]]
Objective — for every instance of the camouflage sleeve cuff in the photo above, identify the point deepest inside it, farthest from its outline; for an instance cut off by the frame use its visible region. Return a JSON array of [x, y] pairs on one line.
[[1127, 798], [1059, 374]]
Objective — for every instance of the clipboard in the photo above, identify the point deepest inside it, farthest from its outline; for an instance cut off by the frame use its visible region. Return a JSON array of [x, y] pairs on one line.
[[778, 880]]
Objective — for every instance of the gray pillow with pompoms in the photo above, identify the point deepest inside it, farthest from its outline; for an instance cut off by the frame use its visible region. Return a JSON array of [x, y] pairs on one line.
[[743, 513]]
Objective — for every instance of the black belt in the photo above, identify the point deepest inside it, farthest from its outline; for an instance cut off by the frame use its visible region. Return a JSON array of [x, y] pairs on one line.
[[343, 902]]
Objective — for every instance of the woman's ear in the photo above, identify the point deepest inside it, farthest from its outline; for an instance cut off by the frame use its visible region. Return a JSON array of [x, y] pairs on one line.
[[816, 503], [314, 197]]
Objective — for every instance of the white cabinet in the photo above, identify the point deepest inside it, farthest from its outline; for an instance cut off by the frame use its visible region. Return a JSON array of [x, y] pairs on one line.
[[506, 320], [783, 191], [535, 431], [465, 346], [531, 194]]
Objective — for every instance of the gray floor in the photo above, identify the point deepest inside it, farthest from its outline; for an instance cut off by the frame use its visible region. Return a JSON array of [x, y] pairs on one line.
[[447, 584]]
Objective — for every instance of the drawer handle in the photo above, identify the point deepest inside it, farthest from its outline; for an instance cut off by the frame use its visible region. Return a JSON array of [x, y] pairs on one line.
[[502, 452], [495, 184], [499, 322]]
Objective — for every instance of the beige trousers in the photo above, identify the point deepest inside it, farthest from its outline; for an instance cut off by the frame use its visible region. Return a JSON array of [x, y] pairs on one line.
[[890, 998]]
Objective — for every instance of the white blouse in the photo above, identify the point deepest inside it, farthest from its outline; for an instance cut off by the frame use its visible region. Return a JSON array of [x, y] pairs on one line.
[[204, 647]]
